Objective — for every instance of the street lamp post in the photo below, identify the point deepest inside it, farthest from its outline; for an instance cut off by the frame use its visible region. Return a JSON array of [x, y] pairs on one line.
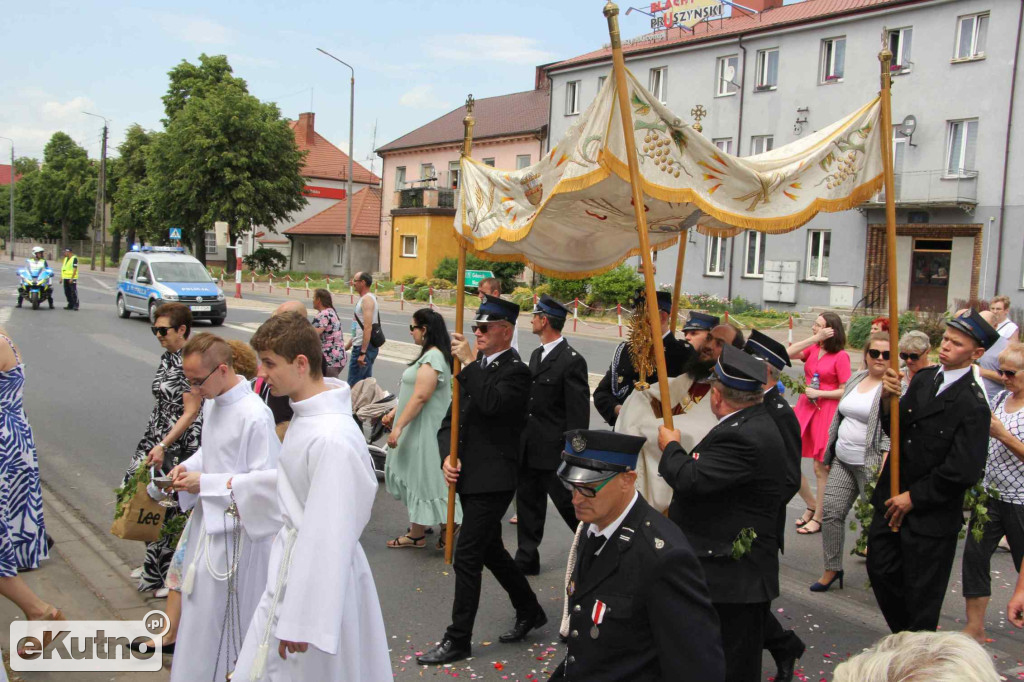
[[348, 191], [102, 200], [10, 247]]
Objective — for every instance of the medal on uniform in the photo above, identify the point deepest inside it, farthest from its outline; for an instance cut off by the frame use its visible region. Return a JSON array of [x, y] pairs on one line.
[[597, 615]]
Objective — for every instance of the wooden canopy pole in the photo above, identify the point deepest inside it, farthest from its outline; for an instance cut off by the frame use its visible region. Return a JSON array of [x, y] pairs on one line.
[[678, 288], [460, 305], [885, 135], [611, 12]]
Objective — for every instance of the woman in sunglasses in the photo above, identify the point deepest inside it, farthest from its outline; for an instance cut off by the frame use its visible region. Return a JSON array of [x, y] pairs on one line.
[[1004, 471], [172, 434], [914, 349], [856, 446]]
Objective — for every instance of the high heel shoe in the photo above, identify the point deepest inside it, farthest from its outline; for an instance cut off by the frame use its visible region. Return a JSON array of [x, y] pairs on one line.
[[824, 587]]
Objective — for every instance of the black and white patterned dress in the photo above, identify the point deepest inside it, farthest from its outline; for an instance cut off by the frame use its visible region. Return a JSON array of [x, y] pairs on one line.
[[169, 387], [1003, 470]]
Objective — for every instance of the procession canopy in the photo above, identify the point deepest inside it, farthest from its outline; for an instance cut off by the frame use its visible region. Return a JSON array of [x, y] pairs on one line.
[[570, 215]]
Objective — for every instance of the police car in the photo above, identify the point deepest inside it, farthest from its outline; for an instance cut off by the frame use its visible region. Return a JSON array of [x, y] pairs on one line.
[[154, 275]]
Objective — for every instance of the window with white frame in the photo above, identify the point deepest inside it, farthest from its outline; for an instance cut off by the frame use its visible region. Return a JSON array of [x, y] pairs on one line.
[[767, 69], [724, 144], [754, 264], [961, 146], [600, 82], [400, 177], [658, 85], [899, 45], [971, 32], [302, 252], [426, 171], [833, 58], [453, 174], [211, 242], [409, 244], [725, 71], [522, 161], [716, 249], [489, 161], [817, 254], [759, 144], [572, 98]]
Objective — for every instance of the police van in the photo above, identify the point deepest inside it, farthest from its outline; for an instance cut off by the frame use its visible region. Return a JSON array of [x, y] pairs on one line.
[[153, 275]]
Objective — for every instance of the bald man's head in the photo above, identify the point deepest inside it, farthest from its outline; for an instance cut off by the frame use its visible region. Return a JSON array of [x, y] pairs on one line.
[[988, 316], [291, 306]]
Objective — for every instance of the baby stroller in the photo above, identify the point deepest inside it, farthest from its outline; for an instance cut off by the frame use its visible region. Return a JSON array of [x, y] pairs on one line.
[[369, 405]]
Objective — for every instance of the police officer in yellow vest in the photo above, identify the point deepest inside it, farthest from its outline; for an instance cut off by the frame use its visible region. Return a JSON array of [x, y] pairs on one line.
[[69, 275]]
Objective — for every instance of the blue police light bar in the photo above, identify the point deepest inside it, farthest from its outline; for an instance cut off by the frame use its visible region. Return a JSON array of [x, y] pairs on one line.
[[163, 249]]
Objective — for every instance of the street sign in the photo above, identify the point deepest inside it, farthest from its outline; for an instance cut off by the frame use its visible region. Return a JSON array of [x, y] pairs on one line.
[[474, 277], [175, 233]]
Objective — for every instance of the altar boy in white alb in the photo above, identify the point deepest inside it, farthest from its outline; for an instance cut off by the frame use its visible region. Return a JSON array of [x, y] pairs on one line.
[[231, 483], [319, 618]]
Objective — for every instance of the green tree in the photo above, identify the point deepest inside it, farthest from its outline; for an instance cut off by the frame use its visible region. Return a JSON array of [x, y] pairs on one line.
[[133, 212], [25, 165], [64, 191], [507, 273], [618, 285], [195, 81], [264, 259]]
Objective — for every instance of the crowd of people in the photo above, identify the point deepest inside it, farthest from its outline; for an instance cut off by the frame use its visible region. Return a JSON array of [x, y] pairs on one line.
[[678, 532]]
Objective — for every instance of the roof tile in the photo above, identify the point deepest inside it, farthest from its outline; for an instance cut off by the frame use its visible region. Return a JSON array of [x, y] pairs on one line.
[[331, 221], [327, 162]]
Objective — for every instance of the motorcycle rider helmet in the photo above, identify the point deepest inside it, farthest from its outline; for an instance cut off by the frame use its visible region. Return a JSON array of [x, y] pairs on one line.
[[37, 250]]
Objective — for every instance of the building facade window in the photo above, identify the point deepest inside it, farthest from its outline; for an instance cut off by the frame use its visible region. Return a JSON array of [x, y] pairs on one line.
[[724, 144], [899, 45], [658, 83], [409, 244], [572, 98], [210, 237], [767, 69], [427, 171], [522, 161], [960, 149], [339, 253], [600, 82], [453, 174], [971, 32], [818, 242], [754, 266], [713, 264], [759, 144], [400, 177], [725, 71], [302, 252], [833, 59], [489, 161]]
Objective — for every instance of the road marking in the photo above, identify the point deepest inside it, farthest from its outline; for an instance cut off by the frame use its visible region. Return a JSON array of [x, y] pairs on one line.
[[240, 327], [5, 314], [102, 284]]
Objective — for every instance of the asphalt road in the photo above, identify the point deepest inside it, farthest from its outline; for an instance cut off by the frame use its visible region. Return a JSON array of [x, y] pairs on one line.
[[88, 399]]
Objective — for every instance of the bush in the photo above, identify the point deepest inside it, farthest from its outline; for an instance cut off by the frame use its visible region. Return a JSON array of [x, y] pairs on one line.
[[506, 273], [546, 289], [565, 290], [263, 259], [615, 286], [932, 324], [407, 280], [523, 297], [440, 283], [740, 305], [708, 302], [420, 282], [859, 330], [422, 294]]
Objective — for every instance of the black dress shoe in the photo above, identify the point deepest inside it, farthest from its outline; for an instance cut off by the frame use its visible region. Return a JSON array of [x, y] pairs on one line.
[[523, 626], [787, 665], [446, 651]]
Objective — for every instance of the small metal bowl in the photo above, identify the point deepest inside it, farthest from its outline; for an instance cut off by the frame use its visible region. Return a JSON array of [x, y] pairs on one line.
[[163, 482]]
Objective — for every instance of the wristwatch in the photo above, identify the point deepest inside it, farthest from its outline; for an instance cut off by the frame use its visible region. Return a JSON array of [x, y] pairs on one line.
[[161, 444]]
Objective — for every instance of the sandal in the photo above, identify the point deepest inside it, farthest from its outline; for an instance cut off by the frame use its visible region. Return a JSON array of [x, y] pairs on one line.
[[442, 534], [803, 529], [803, 520], [413, 543]]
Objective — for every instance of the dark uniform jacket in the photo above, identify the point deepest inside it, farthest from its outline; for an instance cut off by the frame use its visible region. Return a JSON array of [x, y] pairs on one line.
[[789, 428], [621, 375], [559, 402], [658, 625], [733, 479], [943, 447], [492, 413]]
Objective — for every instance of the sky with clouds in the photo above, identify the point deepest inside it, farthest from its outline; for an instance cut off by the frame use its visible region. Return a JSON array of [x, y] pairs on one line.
[[414, 61]]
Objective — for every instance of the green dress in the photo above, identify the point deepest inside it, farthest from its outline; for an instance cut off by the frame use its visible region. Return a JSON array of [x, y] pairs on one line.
[[412, 470]]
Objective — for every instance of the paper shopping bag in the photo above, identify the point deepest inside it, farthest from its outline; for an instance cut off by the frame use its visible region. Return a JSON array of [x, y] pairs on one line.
[[141, 517]]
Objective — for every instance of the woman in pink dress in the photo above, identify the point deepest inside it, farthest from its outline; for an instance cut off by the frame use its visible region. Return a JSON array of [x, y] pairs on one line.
[[823, 356]]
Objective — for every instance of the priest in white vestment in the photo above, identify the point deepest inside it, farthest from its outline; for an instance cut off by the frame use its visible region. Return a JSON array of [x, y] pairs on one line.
[[319, 617], [225, 551]]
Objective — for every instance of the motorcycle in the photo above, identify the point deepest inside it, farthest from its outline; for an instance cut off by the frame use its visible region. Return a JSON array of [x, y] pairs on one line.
[[35, 283]]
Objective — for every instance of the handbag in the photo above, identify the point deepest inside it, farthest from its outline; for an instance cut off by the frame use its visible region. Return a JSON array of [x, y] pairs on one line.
[[376, 332], [141, 517]]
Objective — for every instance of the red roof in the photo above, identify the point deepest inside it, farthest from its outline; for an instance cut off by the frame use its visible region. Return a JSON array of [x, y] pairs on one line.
[[518, 113], [743, 23], [324, 160], [5, 175], [331, 221]]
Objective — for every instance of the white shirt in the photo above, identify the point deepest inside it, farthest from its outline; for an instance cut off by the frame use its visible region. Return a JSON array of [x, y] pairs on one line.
[[1007, 329], [548, 347], [488, 359], [852, 438], [610, 529], [949, 377], [727, 416]]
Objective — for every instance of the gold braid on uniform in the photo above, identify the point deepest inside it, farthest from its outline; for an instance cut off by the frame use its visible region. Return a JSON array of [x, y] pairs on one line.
[[641, 345]]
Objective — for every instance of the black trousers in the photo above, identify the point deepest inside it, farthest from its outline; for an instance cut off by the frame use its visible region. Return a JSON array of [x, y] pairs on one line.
[[479, 545], [1005, 518], [71, 293], [780, 643], [742, 636], [535, 486], [909, 574]]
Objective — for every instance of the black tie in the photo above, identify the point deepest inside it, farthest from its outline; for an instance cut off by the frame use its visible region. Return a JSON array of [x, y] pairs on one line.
[[940, 376], [592, 546]]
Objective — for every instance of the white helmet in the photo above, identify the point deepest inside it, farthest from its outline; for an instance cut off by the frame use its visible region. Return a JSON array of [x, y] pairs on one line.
[[37, 249]]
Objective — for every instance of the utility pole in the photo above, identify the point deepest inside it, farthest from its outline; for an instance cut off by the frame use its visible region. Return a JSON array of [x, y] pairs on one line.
[[348, 190], [101, 201], [10, 246]]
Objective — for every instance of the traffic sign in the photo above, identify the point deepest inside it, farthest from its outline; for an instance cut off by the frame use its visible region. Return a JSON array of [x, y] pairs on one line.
[[175, 233], [474, 277]]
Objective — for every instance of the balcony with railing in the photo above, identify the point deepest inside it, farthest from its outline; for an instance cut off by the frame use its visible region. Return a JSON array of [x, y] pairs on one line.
[[425, 197], [932, 189]]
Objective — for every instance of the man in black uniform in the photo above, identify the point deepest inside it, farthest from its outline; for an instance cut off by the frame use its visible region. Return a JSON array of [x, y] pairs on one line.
[[559, 402], [697, 330], [785, 646], [944, 429], [639, 608], [494, 388], [618, 381], [728, 491]]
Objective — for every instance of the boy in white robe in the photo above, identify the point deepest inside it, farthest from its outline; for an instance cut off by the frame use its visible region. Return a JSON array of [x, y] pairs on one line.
[[236, 463], [319, 618]]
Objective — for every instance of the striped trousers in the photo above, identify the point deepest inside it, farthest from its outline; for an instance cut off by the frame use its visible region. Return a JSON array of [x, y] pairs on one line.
[[845, 483]]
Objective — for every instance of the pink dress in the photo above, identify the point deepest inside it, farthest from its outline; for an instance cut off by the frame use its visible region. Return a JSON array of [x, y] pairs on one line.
[[833, 370]]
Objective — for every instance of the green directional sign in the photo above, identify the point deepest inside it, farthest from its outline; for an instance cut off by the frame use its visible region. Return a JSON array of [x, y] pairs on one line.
[[474, 277]]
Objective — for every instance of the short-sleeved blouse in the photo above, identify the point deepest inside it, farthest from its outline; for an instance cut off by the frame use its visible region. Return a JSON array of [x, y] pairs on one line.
[[1003, 470], [815, 417], [333, 339]]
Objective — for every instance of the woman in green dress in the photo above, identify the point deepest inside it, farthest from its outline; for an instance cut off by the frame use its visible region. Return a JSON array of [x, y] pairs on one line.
[[412, 471]]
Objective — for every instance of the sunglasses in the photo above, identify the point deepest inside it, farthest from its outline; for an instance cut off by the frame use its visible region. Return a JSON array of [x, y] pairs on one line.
[[1008, 373], [162, 331], [195, 385], [482, 328], [415, 326], [874, 354], [584, 490], [911, 357]]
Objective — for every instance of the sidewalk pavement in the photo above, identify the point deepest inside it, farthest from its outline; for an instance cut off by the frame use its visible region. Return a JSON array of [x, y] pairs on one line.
[[86, 580]]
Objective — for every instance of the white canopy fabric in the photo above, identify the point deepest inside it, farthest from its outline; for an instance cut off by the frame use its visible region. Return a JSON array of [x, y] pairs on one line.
[[570, 215]]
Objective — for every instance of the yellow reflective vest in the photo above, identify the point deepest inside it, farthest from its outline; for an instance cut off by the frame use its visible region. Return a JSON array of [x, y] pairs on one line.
[[69, 268]]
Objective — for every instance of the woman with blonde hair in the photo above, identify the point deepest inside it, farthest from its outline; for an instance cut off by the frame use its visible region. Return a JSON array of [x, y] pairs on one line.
[[920, 657]]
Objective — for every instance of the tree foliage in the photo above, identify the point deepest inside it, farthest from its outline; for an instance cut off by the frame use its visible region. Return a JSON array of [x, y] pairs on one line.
[[507, 273], [264, 259], [64, 191], [194, 81], [133, 213], [615, 286]]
